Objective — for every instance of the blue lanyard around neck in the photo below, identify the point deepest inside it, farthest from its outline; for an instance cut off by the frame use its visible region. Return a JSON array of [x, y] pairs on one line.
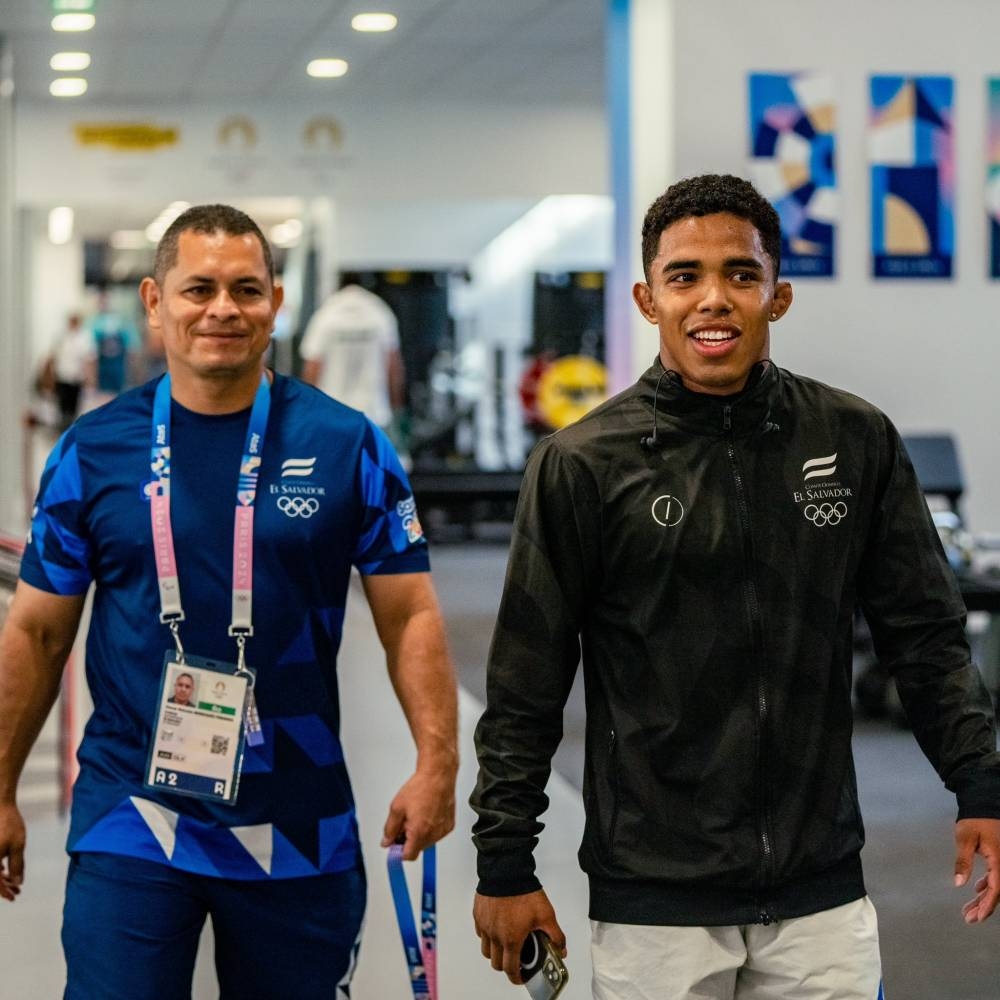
[[171, 611]]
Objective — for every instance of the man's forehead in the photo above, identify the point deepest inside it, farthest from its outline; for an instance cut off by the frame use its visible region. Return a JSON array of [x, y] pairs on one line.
[[719, 235], [197, 250]]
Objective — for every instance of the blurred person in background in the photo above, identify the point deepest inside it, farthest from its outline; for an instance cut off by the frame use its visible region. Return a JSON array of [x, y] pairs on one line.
[[351, 352], [115, 350], [71, 356]]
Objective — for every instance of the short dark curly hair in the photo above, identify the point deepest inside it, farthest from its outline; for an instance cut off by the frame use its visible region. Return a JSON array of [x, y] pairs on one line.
[[207, 219], [706, 195]]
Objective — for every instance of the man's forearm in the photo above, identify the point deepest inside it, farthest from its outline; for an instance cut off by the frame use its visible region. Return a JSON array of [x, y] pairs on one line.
[[30, 672], [424, 681]]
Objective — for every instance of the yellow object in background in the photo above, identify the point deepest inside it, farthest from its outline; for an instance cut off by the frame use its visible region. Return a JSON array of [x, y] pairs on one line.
[[569, 388], [127, 136]]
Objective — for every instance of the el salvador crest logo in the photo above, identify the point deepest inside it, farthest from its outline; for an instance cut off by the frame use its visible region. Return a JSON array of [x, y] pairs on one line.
[[298, 466], [820, 468]]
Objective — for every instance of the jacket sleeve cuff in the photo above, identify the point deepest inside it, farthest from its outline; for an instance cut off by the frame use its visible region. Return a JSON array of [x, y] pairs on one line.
[[507, 873], [978, 791], [508, 887]]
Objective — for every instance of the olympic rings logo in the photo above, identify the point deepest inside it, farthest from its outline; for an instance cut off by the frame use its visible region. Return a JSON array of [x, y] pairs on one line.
[[298, 506], [826, 513]]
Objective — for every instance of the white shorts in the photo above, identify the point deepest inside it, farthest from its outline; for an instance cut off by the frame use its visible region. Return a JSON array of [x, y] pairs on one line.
[[831, 955]]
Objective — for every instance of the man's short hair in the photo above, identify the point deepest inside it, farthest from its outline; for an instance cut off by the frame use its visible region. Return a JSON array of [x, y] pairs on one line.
[[709, 194], [207, 219]]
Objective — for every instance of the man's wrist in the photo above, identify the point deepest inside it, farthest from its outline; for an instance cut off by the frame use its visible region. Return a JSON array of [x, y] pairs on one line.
[[439, 759]]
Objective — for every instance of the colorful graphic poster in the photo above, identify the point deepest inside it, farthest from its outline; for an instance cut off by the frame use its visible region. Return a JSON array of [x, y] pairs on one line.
[[792, 120], [993, 172], [912, 156]]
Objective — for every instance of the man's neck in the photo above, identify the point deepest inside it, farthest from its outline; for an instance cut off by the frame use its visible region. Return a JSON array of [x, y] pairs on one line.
[[226, 393]]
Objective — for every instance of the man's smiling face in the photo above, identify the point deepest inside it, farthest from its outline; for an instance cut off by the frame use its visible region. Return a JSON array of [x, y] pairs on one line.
[[712, 294]]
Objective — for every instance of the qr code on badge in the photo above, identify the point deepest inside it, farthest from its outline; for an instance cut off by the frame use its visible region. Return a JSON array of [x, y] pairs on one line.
[[220, 744]]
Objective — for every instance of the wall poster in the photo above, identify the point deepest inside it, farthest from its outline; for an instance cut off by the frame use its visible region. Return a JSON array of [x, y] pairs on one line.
[[792, 118], [993, 172], [912, 158]]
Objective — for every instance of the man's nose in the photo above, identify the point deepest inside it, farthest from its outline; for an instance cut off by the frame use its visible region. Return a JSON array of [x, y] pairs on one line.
[[715, 297], [223, 304]]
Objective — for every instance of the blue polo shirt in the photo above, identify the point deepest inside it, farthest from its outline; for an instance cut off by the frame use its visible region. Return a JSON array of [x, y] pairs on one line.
[[331, 495]]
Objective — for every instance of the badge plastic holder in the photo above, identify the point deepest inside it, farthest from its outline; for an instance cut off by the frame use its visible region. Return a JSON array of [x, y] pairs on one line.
[[165, 767]]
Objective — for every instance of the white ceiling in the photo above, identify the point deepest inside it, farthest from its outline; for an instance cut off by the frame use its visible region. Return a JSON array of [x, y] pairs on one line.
[[216, 51], [205, 52]]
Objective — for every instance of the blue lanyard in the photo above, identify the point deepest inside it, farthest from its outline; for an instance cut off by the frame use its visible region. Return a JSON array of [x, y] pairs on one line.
[[171, 611], [421, 954]]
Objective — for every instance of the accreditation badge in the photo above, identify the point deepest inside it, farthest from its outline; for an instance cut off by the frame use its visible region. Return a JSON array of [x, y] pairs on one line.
[[198, 735]]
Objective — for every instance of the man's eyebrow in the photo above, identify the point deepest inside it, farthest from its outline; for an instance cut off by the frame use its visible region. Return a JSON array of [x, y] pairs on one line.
[[682, 265], [204, 279], [751, 263]]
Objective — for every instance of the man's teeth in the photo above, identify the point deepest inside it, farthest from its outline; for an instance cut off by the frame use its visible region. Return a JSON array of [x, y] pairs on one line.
[[714, 335]]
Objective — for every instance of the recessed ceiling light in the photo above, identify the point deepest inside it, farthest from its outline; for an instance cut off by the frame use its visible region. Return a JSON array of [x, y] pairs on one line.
[[69, 62], [324, 68], [68, 86], [61, 225], [374, 22], [73, 22]]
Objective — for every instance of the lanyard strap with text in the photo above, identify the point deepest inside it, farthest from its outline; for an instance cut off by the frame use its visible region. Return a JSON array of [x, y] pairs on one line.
[[171, 612], [421, 955]]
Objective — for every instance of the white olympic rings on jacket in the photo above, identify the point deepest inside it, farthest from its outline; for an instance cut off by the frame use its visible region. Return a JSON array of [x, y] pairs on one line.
[[826, 513]]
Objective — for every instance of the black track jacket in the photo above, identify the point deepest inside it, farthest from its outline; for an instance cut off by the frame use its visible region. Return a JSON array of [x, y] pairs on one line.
[[710, 582]]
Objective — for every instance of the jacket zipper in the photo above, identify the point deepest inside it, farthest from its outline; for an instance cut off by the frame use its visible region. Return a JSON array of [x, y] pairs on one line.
[[613, 759], [753, 611]]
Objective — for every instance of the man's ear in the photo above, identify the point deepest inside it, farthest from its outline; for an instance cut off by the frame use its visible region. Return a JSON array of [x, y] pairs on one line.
[[149, 292], [782, 300], [643, 297]]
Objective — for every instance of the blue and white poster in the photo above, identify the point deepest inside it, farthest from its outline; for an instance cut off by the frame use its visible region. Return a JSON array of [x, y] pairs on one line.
[[792, 119], [993, 173], [911, 152]]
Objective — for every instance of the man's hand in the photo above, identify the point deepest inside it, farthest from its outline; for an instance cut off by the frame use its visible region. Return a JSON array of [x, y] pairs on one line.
[[972, 837], [12, 837], [423, 810], [503, 923]]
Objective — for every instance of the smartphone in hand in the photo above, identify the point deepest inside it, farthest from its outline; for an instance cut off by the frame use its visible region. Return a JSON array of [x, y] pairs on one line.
[[542, 967]]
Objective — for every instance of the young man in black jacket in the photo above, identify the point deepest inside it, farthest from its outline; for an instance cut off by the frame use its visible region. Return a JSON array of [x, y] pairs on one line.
[[703, 539]]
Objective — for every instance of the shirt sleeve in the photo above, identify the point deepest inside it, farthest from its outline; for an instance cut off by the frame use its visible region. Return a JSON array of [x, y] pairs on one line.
[[912, 603], [553, 570], [313, 344], [57, 555], [391, 539]]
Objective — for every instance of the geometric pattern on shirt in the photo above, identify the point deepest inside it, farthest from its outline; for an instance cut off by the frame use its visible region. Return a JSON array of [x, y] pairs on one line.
[[295, 741], [141, 828]]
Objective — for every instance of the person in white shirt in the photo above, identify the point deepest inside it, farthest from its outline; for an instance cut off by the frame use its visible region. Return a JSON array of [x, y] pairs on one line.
[[73, 350], [351, 352]]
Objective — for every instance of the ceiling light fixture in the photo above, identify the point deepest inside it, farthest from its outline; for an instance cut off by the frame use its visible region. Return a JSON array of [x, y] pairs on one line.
[[69, 62], [60, 225], [374, 22], [73, 22], [68, 86], [326, 68]]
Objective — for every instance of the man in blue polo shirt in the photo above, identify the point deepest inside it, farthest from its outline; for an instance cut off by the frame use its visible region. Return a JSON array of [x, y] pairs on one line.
[[219, 511]]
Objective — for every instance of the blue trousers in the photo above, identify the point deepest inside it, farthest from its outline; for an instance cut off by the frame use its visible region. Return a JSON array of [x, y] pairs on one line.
[[131, 930]]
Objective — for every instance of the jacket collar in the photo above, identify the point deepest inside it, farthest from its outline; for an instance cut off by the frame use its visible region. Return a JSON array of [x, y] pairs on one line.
[[677, 408]]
